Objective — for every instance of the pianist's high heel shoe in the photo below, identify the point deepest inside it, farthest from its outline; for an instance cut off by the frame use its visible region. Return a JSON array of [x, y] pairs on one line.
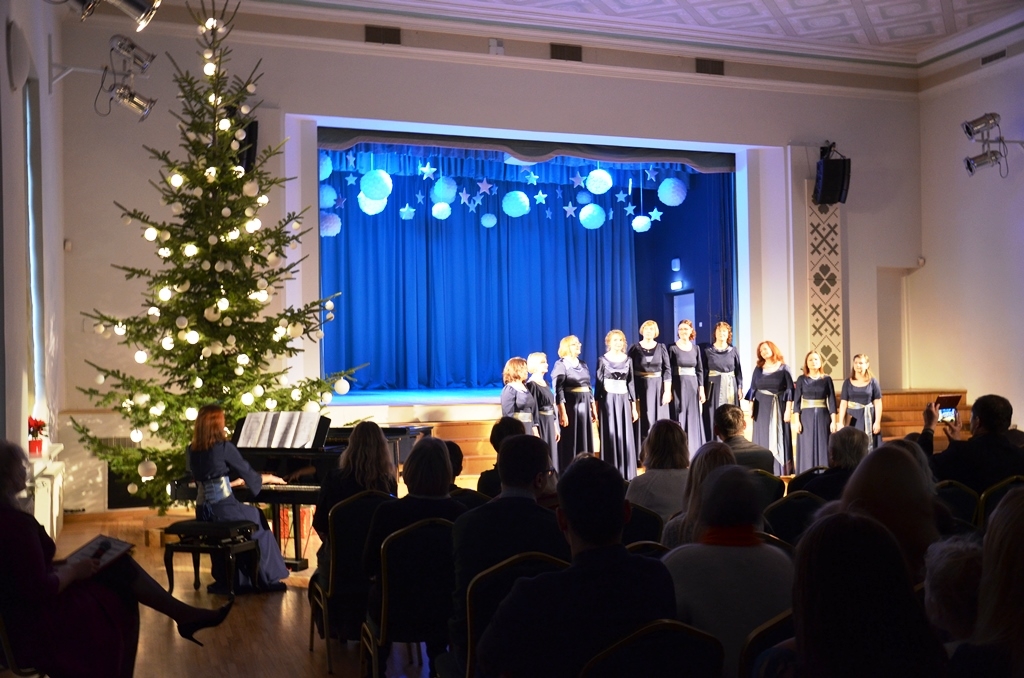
[[187, 630]]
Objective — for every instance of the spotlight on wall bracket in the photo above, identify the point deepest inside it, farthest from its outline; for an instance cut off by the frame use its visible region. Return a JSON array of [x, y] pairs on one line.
[[980, 130], [134, 61], [141, 11]]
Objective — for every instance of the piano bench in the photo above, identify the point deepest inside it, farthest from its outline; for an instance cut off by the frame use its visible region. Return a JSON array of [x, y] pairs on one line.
[[228, 538]]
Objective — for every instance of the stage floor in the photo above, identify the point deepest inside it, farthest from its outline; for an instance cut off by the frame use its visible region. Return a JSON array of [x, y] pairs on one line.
[[440, 396]]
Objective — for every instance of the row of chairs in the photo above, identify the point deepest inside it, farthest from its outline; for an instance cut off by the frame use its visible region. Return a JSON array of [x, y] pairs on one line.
[[968, 507]]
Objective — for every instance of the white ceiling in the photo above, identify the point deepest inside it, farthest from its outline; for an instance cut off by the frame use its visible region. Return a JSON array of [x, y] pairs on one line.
[[866, 27]]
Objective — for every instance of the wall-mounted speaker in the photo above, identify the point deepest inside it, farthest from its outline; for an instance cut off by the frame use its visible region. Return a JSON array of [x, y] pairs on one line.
[[832, 182]]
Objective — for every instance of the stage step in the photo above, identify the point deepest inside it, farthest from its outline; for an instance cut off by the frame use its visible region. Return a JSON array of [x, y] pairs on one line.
[[474, 439]]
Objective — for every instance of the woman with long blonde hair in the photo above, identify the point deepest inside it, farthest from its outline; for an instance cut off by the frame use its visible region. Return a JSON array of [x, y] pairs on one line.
[[652, 371], [212, 458], [574, 397]]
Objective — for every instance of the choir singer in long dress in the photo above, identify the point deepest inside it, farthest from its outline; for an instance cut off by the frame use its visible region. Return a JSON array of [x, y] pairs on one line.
[[814, 414], [687, 384], [860, 402], [617, 405], [653, 378], [516, 400], [724, 376], [771, 392], [574, 398]]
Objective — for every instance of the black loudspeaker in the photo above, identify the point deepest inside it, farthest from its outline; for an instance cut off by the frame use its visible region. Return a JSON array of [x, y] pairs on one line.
[[832, 182]]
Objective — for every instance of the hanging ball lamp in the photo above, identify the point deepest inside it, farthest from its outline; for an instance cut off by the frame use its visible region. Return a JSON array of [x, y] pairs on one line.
[[376, 184]]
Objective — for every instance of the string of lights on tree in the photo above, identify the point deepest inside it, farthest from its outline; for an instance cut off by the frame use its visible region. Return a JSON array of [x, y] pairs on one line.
[[376, 185], [209, 330]]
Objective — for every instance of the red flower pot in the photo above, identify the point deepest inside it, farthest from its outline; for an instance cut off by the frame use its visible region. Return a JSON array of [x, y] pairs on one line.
[[35, 447]]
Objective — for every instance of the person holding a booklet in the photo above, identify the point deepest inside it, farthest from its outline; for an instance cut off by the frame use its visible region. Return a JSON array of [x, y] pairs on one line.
[[78, 617], [212, 458]]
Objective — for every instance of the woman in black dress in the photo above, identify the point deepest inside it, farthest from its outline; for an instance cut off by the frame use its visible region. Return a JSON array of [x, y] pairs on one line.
[[724, 376], [771, 392], [617, 405], [688, 384], [860, 402], [570, 378], [814, 414], [516, 400], [547, 421], [653, 377]]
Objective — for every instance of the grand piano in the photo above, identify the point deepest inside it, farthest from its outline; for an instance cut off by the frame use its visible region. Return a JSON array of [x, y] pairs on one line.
[[317, 452]]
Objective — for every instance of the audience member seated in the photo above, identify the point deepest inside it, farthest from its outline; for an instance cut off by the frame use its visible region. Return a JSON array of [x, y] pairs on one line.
[[854, 608], [996, 649], [680, 529], [213, 460], [890, 487], [666, 456], [428, 475], [846, 448], [728, 583], [987, 457], [455, 456], [71, 619], [364, 465], [512, 523], [951, 582], [552, 624], [489, 482], [730, 423]]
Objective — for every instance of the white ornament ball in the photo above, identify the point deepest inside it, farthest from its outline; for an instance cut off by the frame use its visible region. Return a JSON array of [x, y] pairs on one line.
[[326, 397], [584, 198], [212, 314], [341, 387], [515, 204], [441, 210], [592, 216], [135, 435], [311, 406], [239, 370], [235, 145], [599, 182], [99, 378], [295, 330], [326, 166], [330, 317], [258, 391], [247, 399], [488, 221], [176, 208], [444, 190], [330, 224], [270, 403], [296, 394], [369, 206], [206, 352], [154, 426], [147, 469], [132, 488], [181, 322], [141, 357], [328, 197], [672, 192], [641, 224], [191, 414], [251, 189], [375, 184]]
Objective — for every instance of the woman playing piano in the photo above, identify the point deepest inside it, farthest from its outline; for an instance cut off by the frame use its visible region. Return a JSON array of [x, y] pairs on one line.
[[211, 458]]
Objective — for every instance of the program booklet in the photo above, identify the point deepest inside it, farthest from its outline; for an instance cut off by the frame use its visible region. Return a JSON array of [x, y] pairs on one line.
[[103, 548]]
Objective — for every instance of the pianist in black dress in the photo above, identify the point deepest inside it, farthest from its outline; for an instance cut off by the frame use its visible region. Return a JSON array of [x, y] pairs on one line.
[[212, 458]]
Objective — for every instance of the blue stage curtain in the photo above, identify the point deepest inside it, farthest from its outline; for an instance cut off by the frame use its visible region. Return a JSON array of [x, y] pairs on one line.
[[443, 304]]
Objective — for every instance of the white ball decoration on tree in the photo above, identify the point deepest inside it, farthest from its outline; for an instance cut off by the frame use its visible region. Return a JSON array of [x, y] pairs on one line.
[[375, 184], [311, 406], [147, 470], [341, 387], [369, 206], [330, 224], [488, 221], [515, 204], [592, 217], [599, 182], [444, 190], [328, 197], [132, 488], [251, 189], [672, 192]]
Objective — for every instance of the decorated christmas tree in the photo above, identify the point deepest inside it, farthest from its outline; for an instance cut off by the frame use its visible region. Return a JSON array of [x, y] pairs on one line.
[[209, 329]]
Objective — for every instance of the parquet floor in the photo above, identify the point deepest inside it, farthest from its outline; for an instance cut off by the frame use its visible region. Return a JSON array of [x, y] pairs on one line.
[[266, 635]]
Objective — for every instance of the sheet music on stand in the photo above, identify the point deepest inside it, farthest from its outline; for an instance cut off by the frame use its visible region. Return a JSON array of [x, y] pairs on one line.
[[279, 430]]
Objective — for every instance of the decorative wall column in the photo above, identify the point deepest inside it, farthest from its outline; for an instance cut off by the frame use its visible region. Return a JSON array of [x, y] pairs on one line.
[[825, 287]]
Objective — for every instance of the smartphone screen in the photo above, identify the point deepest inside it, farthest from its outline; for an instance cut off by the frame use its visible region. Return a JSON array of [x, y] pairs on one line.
[[947, 414]]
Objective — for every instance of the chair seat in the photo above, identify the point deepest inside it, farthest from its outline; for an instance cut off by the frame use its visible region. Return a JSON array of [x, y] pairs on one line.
[[200, 529]]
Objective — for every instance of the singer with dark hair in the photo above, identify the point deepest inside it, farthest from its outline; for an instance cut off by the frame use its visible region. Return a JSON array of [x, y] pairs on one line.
[[73, 619]]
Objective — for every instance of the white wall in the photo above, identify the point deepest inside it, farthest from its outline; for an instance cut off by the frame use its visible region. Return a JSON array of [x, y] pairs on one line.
[[966, 309]]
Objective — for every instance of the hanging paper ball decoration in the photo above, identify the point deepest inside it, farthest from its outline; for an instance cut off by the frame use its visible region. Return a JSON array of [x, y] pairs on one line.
[[592, 216], [369, 206], [376, 184], [515, 204], [441, 210], [641, 224], [328, 197], [330, 224], [672, 192], [488, 221], [584, 198], [599, 182], [444, 190], [326, 166]]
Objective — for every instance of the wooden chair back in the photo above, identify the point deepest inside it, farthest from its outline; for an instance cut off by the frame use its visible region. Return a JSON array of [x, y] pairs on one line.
[[661, 649]]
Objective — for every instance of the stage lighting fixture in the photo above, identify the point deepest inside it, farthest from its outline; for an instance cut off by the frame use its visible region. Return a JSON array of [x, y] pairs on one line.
[[141, 11], [980, 126], [138, 58], [130, 99], [982, 160]]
